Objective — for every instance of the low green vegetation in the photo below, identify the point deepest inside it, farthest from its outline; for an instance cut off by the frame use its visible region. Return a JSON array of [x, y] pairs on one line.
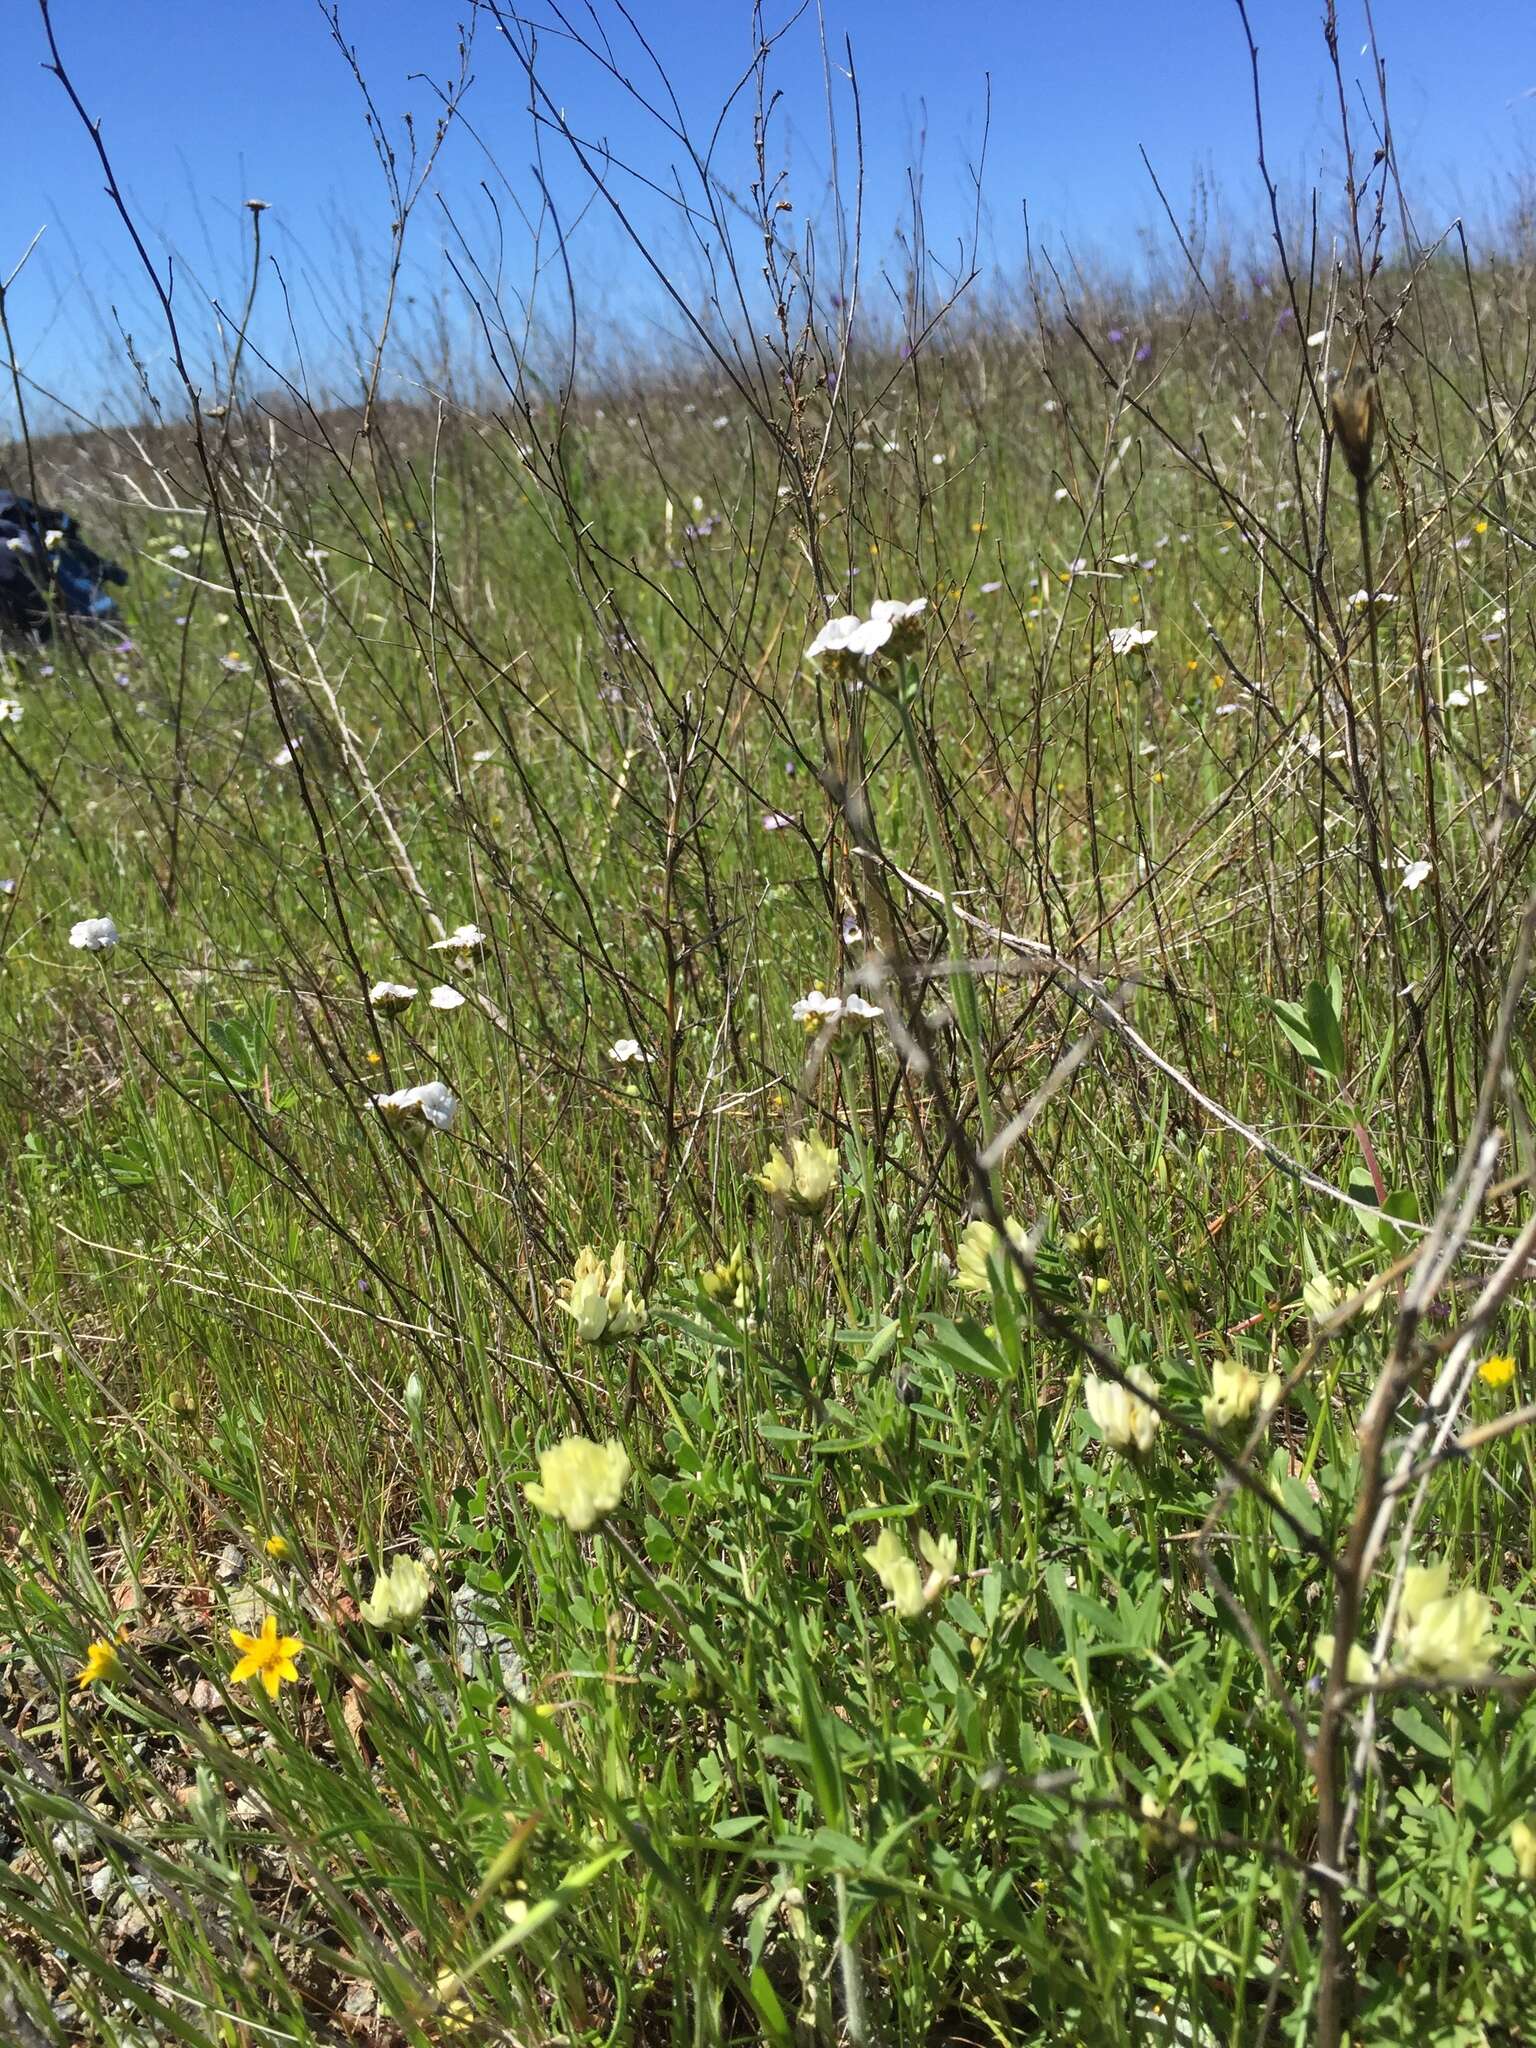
[[708, 1345]]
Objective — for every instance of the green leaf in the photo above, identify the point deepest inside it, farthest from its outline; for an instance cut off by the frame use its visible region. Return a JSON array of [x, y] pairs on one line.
[[1415, 1726], [1327, 1032]]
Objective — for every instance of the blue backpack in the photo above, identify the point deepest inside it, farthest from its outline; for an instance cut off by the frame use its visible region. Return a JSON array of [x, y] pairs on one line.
[[46, 567]]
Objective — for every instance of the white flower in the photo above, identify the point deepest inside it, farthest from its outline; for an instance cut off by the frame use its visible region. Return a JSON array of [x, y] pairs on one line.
[[54, 537], [1461, 698], [1123, 638], [93, 935], [464, 938], [433, 1103], [1415, 874], [10, 711], [625, 1052], [860, 1011], [445, 998], [897, 611], [845, 640], [1125, 1423], [892, 628], [816, 1009], [178, 553], [283, 758], [391, 997], [1360, 599]]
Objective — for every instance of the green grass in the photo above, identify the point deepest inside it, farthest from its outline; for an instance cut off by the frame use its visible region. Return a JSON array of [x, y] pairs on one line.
[[688, 1777]]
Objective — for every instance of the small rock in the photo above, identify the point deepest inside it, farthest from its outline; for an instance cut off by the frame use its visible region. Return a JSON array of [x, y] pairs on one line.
[[76, 1838]]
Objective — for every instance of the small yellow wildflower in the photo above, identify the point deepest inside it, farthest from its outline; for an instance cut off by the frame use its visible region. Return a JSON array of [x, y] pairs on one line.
[[375, 1059], [101, 1662], [1479, 526], [268, 1656], [1497, 1370], [580, 1481], [1522, 1839], [278, 1548]]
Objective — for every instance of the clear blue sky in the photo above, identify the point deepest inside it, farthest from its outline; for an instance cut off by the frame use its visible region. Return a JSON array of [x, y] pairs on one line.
[[203, 107]]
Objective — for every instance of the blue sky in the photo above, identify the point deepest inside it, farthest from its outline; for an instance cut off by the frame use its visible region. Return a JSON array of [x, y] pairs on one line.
[[202, 108]]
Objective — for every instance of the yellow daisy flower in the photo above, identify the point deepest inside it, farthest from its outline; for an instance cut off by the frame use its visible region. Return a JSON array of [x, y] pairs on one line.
[[1497, 1370], [268, 1657], [101, 1662]]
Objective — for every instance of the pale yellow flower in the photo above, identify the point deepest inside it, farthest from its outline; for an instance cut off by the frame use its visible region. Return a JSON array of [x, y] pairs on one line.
[[911, 1593], [598, 1298], [1236, 1391], [1522, 1839], [940, 1554], [580, 1481], [1125, 1423], [398, 1597], [979, 1254], [1321, 1296], [805, 1179], [1442, 1634], [725, 1282], [887, 1558], [1358, 1670]]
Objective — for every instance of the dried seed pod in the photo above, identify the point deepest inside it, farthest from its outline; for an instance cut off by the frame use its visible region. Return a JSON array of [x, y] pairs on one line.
[[1354, 420]]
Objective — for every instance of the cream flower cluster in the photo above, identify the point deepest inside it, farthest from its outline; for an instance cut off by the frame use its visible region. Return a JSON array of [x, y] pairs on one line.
[[911, 1592], [1440, 1634], [979, 1256], [580, 1481], [399, 1597], [1124, 1422], [1236, 1390], [804, 1179], [598, 1298]]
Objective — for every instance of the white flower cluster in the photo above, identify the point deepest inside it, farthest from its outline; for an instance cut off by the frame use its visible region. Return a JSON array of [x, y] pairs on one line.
[[892, 630]]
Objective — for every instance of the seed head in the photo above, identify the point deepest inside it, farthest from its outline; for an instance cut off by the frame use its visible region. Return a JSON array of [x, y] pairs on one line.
[[1354, 410]]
